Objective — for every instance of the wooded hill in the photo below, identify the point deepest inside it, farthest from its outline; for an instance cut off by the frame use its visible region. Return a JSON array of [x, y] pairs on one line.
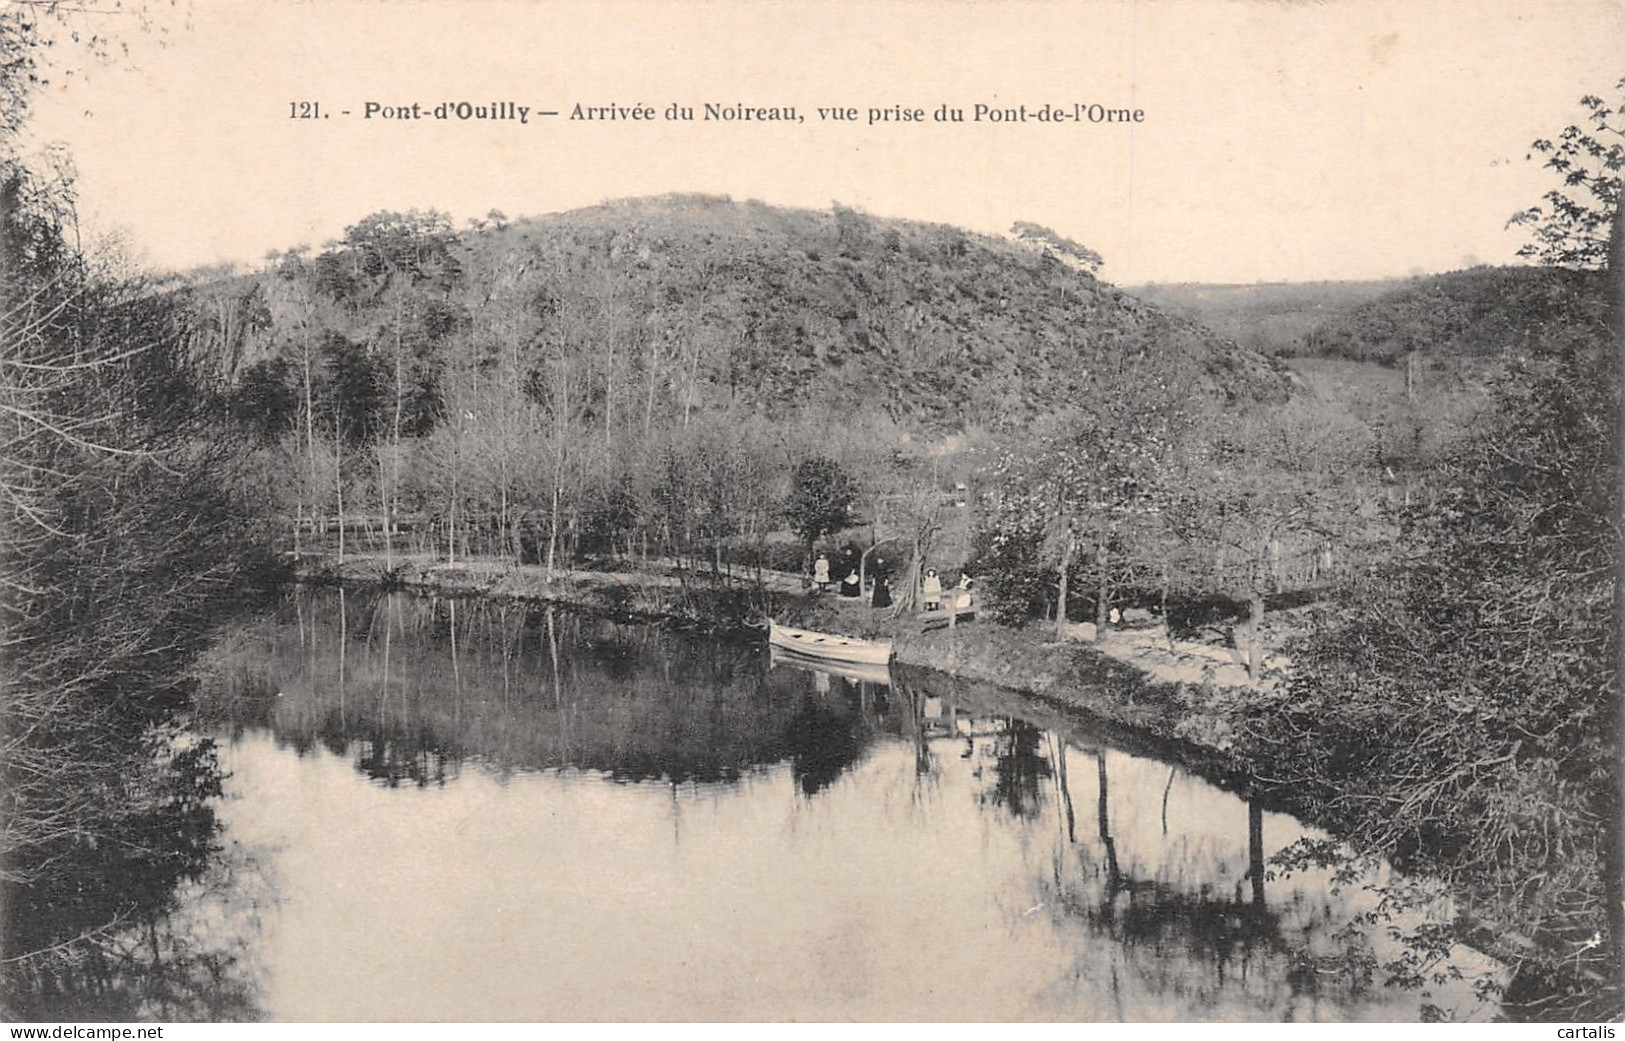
[[687, 303], [1481, 313]]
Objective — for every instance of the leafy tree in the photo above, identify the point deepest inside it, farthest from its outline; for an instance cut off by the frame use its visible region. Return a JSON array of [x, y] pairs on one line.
[[1085, 482], [265, 400], [820, 502], [416, 244], [1081, 486], [355, 391], [1572, 229], [1260, 486], [1015, 580]]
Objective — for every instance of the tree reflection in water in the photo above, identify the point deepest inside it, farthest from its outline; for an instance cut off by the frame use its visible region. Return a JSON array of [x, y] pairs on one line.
[[154, 920], [1021, 768], [1162, 926], [1154, 887], [406, 754], [823, 744], [417, 686], [1168, 906]]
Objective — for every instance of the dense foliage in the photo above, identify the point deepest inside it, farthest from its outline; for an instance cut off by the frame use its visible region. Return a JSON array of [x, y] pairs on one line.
[[1462, 712], [1093, 483], [820, 501], [123, 540], [1484, 312]]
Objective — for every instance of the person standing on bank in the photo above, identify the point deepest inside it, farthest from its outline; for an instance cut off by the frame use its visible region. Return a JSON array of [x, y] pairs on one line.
[[821, 574], [932, 589]]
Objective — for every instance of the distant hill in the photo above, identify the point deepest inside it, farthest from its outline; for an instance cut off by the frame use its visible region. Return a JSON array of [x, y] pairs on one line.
[[1272, 317], [1482, 313], [701, 302]]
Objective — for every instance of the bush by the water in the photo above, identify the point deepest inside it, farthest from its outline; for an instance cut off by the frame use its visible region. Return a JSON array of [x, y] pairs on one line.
[[1461, 714]]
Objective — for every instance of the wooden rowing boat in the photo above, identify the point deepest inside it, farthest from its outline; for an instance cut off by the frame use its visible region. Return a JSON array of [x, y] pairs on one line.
[[828, 646]]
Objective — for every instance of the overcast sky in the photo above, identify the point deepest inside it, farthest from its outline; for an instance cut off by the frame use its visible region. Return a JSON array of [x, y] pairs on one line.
[[1280, 140]]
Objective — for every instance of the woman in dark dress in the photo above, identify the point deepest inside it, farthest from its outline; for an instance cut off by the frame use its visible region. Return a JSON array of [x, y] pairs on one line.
[[882, 597]]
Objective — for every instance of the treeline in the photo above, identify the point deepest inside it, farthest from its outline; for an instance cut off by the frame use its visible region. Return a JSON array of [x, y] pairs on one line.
[[644, 378], [125, 543], [718, 303]]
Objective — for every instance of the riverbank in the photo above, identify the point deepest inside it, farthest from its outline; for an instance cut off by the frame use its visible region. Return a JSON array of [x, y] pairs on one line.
[[1181, 694]]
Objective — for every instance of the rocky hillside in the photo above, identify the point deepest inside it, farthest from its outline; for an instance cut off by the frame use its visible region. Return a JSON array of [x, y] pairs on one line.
[[700, 303]]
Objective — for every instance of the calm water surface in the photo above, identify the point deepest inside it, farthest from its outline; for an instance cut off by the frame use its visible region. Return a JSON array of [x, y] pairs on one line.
[[450, 810]]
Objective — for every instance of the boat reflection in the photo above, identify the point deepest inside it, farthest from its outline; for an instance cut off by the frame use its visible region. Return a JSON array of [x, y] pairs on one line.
[[857, 672]]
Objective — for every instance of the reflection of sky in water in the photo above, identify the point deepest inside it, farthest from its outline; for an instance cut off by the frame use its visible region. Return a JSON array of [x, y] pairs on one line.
[[936, 878], [564, 895]]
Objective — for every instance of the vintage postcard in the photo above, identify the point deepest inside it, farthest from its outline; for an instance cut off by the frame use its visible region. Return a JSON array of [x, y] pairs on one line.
[[724, 511]]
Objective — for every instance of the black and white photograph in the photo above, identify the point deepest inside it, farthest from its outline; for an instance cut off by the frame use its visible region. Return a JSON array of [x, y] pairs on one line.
[[807, 513]]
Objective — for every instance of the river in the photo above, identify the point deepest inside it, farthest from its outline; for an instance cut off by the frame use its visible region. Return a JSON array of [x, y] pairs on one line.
[[466, 810]]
